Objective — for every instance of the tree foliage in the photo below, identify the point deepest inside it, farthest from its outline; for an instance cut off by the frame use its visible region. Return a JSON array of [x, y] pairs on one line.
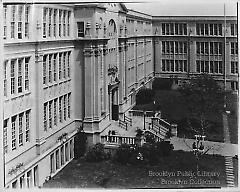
[[203, 96]]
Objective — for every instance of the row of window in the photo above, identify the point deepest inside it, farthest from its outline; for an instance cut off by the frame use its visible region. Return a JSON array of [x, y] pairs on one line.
[[27, 180], [20, 130], [19, 75], [56, 22], [174, 47], [204, 66], [56, 67], [212, 48], [170, 65], [19, 21], [208, 29], [57, 110], [174, 29], [61, 156]]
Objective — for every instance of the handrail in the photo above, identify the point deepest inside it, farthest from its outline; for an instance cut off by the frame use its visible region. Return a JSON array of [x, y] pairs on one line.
[[117, 140], [128, 120], [122, 124]]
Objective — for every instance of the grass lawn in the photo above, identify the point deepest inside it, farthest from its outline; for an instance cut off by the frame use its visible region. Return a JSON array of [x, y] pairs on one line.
[[173, 171], [173, 108]]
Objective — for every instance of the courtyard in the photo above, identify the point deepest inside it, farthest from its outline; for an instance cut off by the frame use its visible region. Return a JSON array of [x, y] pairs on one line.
[[175, 171]]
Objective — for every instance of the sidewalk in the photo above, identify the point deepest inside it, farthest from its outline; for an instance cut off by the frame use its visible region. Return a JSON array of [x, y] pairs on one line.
[[224, 149]]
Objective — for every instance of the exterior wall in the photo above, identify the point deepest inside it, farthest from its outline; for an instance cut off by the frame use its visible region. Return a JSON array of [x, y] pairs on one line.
[[193, 40]]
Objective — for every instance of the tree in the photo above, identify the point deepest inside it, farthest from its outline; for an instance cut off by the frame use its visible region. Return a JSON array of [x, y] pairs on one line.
[[202, 96]]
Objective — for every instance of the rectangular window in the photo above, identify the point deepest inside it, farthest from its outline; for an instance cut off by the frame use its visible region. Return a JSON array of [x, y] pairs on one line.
[[211, 67], [215, 29], [27, 126], [64, 23], [60, 23], [44, 69], [216, 66], [80, 29], [50, 114], [50, 68], [62, 155], [27, 10], [55, 112], [29, 179], [5, 22], [13, 133], [13, 17], [52, 167], [68, 23], [60, 109], [55, 67], [211, 29], [27, 73], [69, 105], [57, 160], [64, 65], [5, 78], [5, 135], [13, 78], [206, 29], [68, 64], [45, 22], [64, 107], [45, 116], [20, 23], [198, 68], [163, 28], [20, 79], [220, 29], [198, 29], [66, 152], [71, 148], [60, 66], [233, 29], [50, 22], [55, 22], [20, 129], [220, 65]]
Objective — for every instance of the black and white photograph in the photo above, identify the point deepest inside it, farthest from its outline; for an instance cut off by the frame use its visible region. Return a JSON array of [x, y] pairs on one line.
[[128, 95]]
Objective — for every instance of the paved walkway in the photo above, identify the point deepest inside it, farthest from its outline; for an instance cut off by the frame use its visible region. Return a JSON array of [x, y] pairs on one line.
[[224, 149]]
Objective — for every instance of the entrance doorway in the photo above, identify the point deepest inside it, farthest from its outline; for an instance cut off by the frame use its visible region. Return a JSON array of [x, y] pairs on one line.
[[115, 106]]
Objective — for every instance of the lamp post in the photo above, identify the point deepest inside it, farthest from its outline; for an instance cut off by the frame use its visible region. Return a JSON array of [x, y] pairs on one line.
[[198, 146]]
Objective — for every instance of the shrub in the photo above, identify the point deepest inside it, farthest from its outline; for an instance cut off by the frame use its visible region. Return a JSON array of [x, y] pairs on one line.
[[162, 84], [123, 154], [96, 153], [80, 144], [144, 96]]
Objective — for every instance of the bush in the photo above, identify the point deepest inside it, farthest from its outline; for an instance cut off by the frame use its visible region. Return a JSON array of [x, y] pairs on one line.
[[96, 153], [123, 154], [162, 84], [144, 96], [80, 144]]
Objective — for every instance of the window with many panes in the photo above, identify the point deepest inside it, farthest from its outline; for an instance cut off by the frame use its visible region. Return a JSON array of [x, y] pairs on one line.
[[12, 74], [45, 22], [5, 135], [20, 78], [60, 109], [68, 64], [55, 22], [27, 12], [27, 125], [45, 106], [20, 129], [5, 22], [5, 78], [55, 67], [13, 122], [50, 114], [68, 23], [234, 48], [64, 23], [49, 22], [60, 23], [50, 68], [64, 65], [20, 22], [55, 112], [69, 105], [60, 66], [27, 73], [44, 69], [233, 29], [65, 107], [13, 15]]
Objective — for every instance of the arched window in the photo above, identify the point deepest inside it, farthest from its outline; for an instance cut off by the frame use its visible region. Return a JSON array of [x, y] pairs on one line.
[[112, 29]]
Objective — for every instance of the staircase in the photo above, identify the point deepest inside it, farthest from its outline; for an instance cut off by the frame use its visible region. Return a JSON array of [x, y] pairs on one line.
[[125, 128], [229, 171]]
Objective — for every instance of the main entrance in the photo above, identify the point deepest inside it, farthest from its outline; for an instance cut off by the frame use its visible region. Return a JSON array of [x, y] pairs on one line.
[[114, 104]]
